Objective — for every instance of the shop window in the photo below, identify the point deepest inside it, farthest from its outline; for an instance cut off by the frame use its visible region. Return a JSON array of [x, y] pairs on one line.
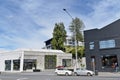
[[66, 62], [16, 64], [7, 64], [109, 61], [30, 64]]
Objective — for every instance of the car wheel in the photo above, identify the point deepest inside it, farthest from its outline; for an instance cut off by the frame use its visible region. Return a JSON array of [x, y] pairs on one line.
[[75, 74], [66, 74], [56, 73], [88, 74]]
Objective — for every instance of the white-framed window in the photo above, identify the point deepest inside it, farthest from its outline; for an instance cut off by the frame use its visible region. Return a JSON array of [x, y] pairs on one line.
[[7, 65], [107, 44], [91, 45]]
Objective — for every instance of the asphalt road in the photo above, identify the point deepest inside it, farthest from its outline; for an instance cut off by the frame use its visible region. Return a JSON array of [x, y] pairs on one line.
[[51, 76]]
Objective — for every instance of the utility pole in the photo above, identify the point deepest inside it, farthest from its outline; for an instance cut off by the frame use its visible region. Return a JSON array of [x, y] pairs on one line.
[[75, 42]]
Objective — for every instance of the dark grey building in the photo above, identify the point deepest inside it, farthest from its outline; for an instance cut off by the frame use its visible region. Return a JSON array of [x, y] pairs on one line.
[[102, 47]]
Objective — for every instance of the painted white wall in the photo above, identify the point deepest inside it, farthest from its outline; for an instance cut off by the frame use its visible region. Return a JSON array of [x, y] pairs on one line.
[[60, 57], [8, 56], [32, 54]]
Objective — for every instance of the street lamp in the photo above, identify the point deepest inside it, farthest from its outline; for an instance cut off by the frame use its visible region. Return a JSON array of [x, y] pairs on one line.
[[74, 37]]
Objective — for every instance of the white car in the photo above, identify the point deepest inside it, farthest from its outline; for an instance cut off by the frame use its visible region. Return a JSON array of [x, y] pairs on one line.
[[83, 72], [63, 71]]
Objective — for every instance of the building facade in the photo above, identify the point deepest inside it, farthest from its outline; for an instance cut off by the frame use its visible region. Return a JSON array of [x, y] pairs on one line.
[[29, 59], [102, 47], [69, 42]]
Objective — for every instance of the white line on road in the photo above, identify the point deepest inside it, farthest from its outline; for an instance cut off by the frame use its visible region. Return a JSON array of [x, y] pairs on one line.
[[22, 78]]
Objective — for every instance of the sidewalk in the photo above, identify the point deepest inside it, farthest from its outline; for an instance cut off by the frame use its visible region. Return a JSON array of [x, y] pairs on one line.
[[109, 74]]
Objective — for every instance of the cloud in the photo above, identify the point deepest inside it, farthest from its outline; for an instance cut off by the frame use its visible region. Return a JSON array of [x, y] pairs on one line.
[[104, 12], [28, 23]]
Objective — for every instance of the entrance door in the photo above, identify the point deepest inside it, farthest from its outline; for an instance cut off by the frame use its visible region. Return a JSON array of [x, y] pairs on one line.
[[29, 64], [93, 63]]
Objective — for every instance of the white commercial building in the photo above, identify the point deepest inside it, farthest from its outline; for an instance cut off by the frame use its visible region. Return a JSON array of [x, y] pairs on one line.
[[31, 59]]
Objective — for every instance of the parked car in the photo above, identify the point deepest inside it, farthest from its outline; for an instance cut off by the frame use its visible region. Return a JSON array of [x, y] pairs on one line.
[[83, 72], [63, 71]]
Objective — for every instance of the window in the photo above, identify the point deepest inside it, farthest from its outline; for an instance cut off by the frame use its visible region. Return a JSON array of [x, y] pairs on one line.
[[69, 42], [50, 61], [7, 64], [66, 62], [109, 60], [91, 45], [107, 44], [16, 64]]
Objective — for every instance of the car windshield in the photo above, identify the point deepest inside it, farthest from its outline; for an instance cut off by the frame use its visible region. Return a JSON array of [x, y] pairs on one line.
[[80, 69]]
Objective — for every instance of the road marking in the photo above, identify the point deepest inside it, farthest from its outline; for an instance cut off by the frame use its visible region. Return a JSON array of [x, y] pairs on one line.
[[22, 78]]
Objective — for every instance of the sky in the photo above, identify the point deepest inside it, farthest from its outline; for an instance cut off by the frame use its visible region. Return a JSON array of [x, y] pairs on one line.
[[28, 23]]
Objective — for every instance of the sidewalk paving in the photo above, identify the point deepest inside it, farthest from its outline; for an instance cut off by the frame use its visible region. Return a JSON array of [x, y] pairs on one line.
[[109, 74]]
